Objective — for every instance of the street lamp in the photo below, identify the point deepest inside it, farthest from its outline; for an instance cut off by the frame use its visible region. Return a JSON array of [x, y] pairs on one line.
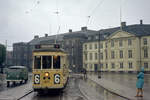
[[99, 67]]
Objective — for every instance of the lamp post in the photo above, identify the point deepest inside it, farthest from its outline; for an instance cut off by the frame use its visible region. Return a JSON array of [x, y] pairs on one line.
[[99, 67]]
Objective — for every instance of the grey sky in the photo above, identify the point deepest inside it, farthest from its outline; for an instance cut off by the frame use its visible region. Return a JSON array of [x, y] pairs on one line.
[[20, 20]]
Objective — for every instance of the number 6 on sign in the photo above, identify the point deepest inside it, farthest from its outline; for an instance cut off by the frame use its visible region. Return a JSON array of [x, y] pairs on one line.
[[56, 78]]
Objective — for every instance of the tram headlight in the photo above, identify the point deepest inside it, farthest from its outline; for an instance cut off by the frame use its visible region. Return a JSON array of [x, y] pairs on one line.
[[46, 74]]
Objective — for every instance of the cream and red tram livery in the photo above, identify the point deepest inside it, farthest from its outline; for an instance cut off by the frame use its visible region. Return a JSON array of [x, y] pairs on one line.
[[50, 67]]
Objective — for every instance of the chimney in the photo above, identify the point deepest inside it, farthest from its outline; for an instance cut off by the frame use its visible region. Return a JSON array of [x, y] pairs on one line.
[[83, 28], [141, 22], [36, 37], [70, 30], [123, 24], [46, 35]]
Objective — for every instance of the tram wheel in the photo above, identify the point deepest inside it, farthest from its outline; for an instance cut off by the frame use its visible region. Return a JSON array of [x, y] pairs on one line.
[[14, 83]]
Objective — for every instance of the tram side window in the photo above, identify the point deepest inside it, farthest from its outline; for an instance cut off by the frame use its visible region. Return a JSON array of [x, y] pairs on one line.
[[46, 62], [56, 62], [37, 62]]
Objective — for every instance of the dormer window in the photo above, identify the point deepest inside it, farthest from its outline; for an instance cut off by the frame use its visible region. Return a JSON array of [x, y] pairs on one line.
[[89, 38], [96, 37]]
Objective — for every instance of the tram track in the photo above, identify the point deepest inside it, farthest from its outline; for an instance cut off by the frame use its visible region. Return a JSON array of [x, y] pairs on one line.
[[25, 94], [71, 92]]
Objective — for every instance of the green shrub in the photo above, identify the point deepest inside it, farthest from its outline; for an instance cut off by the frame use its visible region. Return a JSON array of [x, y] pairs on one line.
[[2, 54]]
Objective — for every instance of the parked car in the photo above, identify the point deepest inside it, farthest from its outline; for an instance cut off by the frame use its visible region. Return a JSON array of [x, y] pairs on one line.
[[16, 74]]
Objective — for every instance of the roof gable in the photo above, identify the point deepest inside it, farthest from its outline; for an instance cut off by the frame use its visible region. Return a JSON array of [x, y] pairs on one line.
[[120, 34]]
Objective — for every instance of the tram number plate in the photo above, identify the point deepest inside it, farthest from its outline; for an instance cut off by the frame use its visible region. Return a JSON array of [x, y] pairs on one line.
[[56, 78], [36, 78]]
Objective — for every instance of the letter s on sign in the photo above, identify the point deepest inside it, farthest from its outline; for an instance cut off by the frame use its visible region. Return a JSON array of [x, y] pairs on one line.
[[37, 79]]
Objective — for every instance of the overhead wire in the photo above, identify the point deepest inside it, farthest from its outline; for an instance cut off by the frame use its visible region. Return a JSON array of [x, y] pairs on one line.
[[93, 11], [58, 20], [120, 14], [33, 7]]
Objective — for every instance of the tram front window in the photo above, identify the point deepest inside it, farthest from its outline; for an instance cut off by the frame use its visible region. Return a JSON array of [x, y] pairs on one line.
[[46, 62], [56, 62], [37, 62]]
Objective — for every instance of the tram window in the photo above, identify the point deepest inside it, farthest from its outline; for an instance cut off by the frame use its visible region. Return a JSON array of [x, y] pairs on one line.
[[37, 62], [46, 62], [56, 62]]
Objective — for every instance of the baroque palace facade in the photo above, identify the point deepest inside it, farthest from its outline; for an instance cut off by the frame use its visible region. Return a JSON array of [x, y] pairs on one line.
[[124, 49]]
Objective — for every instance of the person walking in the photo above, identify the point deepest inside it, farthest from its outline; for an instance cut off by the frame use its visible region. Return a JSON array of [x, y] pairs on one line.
[[85, 73], [140, 83]]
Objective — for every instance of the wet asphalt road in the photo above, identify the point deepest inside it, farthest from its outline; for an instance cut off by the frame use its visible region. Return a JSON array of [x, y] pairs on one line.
[[75, 85], [71, 92]]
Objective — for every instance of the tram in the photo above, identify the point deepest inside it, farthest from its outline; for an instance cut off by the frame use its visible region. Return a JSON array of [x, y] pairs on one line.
[[50, 68]]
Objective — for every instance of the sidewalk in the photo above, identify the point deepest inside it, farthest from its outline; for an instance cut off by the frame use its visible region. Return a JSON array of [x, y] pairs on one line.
[[2, 78], [118, 88]]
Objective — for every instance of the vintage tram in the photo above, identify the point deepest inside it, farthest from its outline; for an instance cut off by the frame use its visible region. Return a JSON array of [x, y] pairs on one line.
[[50, 68]]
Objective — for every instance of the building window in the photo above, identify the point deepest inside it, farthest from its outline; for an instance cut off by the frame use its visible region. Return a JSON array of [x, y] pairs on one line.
[[85, 66], [121, 65], [90, 47], [112, 54], [129, 42], [89, 38], [85, 46], [101, 65], [112, 65], [145, 53], [106, 65], [129, 53], [95, 45], [121, 54], [96, 37], [95, 56], [91, 56], [146, 65], [106, 54], [101, 55], [106, 44], [112, 43], [85, 56], [130, 65], [91, 66], [120, 43], [101, 45], [145, 41]]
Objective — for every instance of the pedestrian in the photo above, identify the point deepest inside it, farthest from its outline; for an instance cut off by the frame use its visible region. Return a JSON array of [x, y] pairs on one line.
[[140, 83], [85, 74]]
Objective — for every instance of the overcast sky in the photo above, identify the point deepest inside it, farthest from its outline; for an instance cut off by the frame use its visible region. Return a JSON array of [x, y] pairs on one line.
[[20, 20]]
